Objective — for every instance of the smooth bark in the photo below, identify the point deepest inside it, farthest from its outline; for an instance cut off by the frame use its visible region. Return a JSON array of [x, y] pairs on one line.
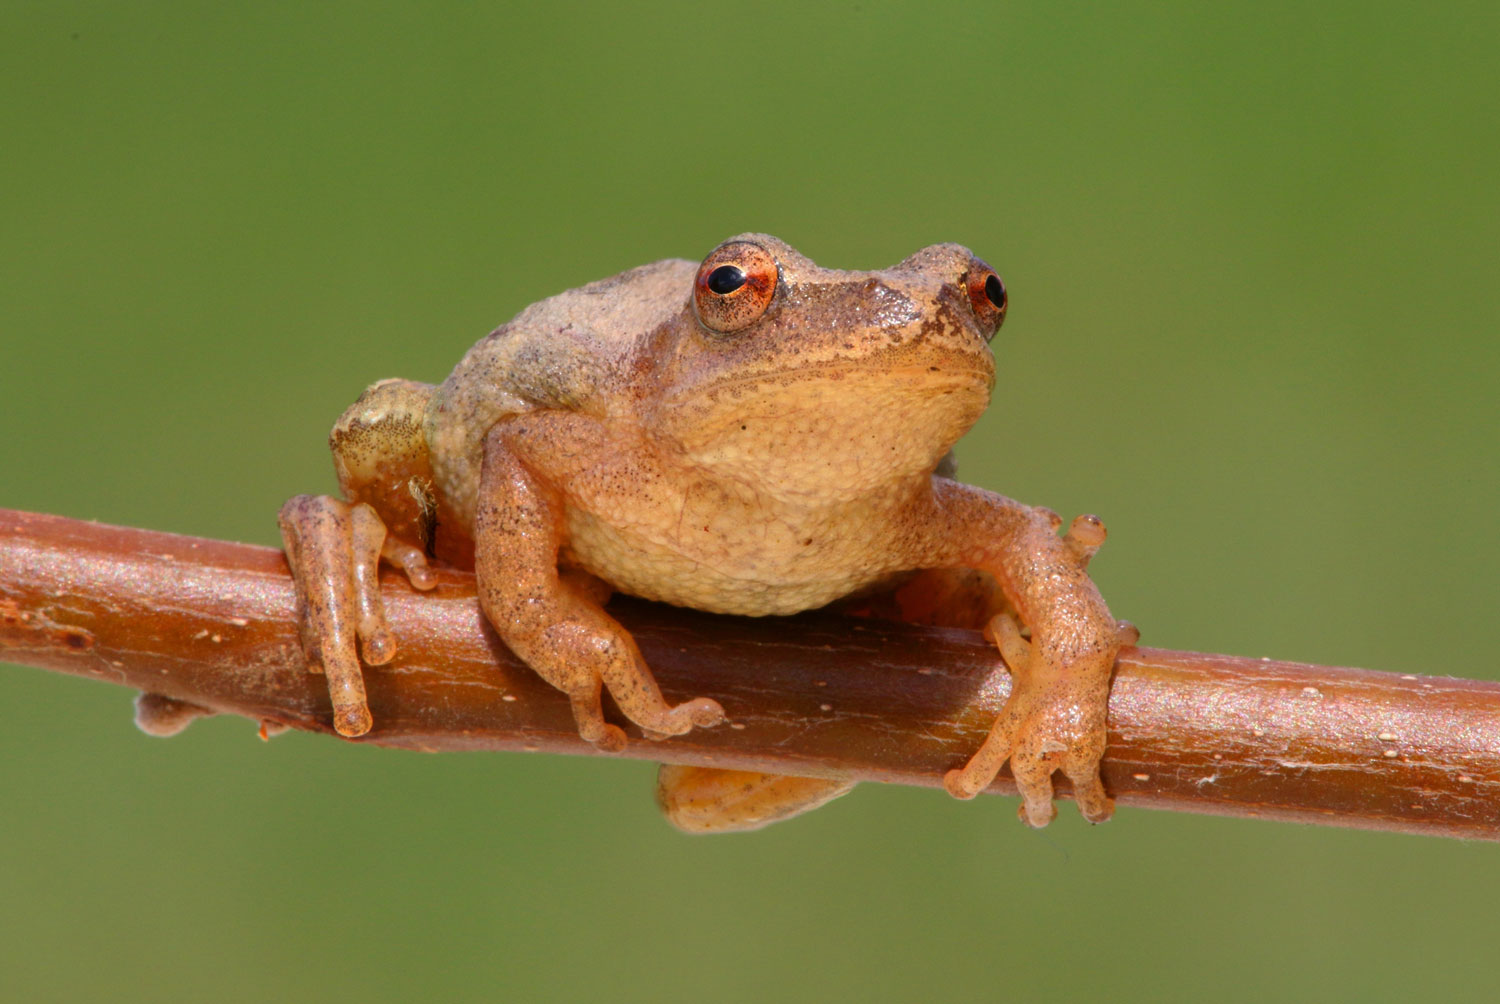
[[212, 624]]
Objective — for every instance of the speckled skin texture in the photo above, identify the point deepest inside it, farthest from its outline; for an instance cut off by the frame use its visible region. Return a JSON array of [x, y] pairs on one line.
[[752, 435]]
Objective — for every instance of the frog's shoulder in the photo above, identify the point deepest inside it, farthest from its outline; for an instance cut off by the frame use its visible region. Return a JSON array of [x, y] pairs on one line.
[[571, 352], [565, 351]]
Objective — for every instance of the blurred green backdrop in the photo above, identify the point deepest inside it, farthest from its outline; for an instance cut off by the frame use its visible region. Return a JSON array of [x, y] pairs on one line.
[[1252, 253]]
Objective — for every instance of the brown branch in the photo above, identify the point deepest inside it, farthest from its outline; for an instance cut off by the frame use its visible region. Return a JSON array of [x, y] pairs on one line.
[[211, 623]]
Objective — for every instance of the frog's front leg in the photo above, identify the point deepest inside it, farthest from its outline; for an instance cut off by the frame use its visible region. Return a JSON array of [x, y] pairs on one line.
[[1055, 716], [559, 630]]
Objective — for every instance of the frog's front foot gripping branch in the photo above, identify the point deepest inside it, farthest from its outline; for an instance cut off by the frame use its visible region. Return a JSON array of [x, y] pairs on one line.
[[1055, 717], [334, 551]]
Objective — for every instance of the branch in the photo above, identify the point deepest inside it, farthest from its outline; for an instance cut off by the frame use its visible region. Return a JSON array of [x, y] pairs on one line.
[[212, 624]]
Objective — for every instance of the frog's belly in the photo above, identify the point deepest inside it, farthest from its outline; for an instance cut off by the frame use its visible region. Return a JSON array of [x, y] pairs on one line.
[[754, 570]]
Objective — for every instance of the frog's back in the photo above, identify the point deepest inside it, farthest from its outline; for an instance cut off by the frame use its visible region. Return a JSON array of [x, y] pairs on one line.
[[567, 352]]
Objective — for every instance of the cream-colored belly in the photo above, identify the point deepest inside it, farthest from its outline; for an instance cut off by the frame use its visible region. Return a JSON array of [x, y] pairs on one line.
[[752, 568]]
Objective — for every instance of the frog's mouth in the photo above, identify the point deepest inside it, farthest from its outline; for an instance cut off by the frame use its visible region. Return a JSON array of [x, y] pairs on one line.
[[941, 376]]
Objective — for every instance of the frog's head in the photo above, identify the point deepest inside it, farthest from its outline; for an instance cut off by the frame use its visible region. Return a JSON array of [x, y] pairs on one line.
[[814, 381]]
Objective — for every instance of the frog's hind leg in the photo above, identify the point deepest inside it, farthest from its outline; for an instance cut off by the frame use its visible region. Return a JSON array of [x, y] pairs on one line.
[[714, 800], [334, 547]]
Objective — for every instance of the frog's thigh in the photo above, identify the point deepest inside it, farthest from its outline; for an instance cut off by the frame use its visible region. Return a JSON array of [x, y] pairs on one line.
[[710, 800]]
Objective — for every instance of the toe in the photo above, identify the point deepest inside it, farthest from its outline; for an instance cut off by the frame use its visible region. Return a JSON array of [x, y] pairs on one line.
[[378, 647], [959, 785], [1088, 791], [611, 739], [705, 712], [1006, 634], [1033, 775]]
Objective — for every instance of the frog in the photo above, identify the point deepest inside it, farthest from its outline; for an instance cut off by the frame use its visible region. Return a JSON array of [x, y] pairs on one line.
[[750, 434]]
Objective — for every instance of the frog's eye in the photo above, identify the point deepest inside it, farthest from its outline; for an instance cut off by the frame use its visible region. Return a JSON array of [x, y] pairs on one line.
[[986, 295], [735, 286]]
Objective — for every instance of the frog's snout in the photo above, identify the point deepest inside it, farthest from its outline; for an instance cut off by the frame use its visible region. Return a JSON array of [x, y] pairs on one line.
[[980, 292]]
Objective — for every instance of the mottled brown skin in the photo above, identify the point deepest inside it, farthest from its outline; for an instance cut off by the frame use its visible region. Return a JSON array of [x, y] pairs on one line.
[[752, 435]]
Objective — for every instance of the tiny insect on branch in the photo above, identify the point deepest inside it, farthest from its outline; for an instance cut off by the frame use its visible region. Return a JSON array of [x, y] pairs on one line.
[[211, 624]]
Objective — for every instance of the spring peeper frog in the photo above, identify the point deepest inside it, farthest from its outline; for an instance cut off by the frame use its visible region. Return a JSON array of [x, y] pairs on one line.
[[749, 435]]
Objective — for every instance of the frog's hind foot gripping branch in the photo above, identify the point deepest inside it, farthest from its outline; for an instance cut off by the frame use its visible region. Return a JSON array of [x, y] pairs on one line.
[[334, 550]]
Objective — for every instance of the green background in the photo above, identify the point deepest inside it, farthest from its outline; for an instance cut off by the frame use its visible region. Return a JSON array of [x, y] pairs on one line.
[[1252, 256]]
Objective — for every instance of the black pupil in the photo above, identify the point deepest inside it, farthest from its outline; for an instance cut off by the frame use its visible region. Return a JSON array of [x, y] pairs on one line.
[[726, 279], [995, 291]]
